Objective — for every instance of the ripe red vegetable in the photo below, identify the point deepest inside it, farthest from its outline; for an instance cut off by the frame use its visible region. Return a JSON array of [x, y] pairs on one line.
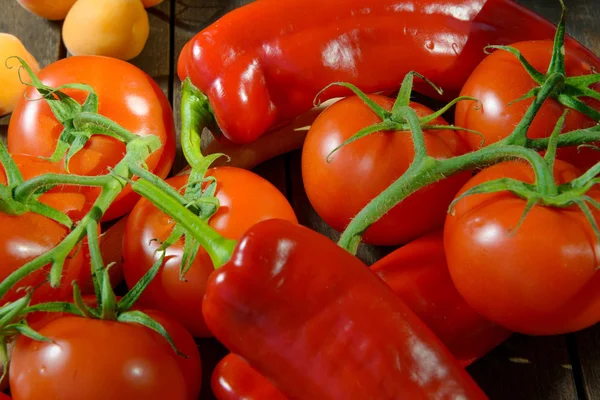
[[318, 324], [245, 199], [127, 95], [95, 359], [418, 274], [501, 79], [539, 279], [338, 188], [263, 64], [27, 236]]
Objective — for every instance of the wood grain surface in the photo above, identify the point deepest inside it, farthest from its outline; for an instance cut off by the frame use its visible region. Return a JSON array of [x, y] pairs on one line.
[[528, 368]]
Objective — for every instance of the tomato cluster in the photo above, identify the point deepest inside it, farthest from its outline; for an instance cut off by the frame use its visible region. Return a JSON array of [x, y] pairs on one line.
[[483, 252]]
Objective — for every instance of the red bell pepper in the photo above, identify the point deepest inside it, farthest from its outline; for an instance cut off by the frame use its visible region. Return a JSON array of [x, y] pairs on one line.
[[319, 324], [261, 65], [419, 275]]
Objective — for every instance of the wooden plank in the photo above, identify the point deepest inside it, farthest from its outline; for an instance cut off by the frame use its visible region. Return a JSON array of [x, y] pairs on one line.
[[155, 58], [587, 347], [40, 37], [527, 368]]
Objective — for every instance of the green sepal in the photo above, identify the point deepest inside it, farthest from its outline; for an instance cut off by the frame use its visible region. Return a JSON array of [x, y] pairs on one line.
[[138, 317], [536, 75], [517, 187], [80, 304], [590, 217], [553, 141], [50, 212], [376, 108], [109, 300], [136, 291], [190, 250], [531, 202], [15, 309], [55, 307], [578, 105], [385, 126], [4, 356], [557, 62], [27, 331]]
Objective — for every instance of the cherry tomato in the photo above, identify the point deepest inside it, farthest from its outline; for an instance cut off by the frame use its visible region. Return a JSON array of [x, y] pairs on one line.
[[95, 359], [126, 95], [245, 199], [358, 172], [539, 279], [500, 78], [27, 236]]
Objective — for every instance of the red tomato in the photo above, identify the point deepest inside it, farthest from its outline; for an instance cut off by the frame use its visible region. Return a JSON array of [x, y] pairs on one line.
[[27, 236], [245, 200], [360, 171], [500, 78], [4, 397], [540, 279], [127, 95], [94, 359]]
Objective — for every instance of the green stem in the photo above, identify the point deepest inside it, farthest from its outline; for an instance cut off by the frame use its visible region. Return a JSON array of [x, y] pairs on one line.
[[137, 152], [427, 172], [519, 135], [13, 175], [24, 191], [195, 113], [86, 121], [573, 138], [219, 248]]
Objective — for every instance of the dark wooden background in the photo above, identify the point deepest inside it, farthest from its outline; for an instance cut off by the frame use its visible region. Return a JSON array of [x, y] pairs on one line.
[[528, 368]]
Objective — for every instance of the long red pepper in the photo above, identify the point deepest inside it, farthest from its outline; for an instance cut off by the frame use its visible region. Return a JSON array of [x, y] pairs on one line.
[[317, 323], [263, 64], [234, 379], [418, 274]]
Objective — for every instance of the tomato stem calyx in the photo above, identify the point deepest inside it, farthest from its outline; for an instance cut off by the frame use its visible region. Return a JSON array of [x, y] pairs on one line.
[[563, 89], [396, 120]]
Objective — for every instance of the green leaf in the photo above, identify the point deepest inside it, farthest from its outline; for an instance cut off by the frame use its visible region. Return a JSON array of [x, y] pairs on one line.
[[138, 317]]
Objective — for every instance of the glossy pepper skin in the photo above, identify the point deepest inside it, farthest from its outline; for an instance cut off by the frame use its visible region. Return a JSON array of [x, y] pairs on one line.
[[234, 379], [263, 64], [316, 322], [418, 274]]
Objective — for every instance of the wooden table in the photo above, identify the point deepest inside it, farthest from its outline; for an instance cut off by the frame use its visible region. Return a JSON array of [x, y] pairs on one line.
[[546, 368]]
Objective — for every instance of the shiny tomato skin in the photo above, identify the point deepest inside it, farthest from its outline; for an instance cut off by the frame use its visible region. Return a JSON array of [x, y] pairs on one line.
[[127, 95], [245, 199], [362, 170], [94, 359], [27, 236], [540, 279], [500, 78]]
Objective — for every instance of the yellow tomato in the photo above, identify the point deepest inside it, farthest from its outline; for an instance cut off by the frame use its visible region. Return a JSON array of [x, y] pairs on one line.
[[12, 88], [49, 9], [112, 28], [151, 3]]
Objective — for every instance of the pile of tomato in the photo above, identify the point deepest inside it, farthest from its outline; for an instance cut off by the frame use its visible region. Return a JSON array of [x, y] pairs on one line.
[[473, 267]]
